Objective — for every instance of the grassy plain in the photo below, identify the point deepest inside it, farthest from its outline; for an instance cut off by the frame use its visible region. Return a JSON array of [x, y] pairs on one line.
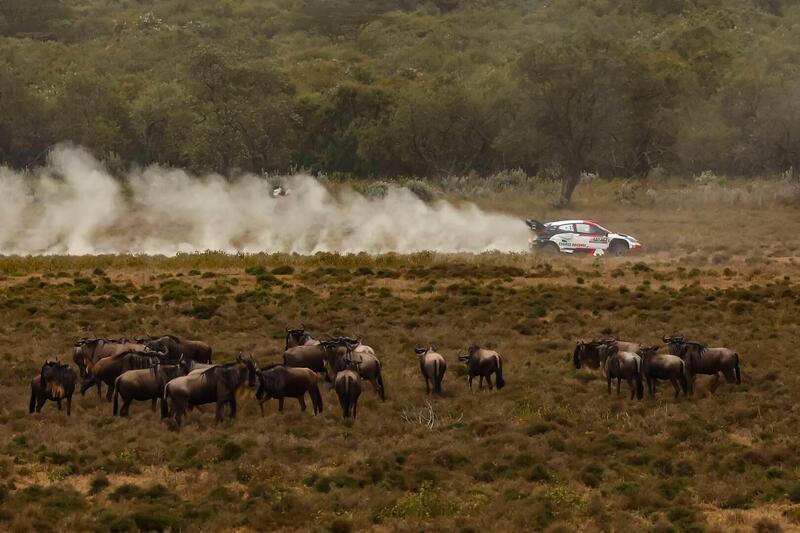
[[551, 450]]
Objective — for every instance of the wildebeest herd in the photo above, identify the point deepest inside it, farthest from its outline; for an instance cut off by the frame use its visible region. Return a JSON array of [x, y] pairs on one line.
[[180, 374], [638, 363]]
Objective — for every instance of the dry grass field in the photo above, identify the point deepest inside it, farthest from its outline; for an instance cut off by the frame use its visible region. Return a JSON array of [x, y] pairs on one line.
[[552, 450]]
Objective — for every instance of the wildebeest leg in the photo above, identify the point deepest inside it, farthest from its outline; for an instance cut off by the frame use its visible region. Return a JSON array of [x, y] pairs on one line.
[[58, 403], [126, 404], [619, 382], [470, 382], [632, 387], [427, 386], [153, 405], [302, 400], [261, 406], [109, 393], [355, 407], [608, 379], [376, 386], [280, 404], [69, 405], [676, 387], [714, 383], [220, 411], [489, 381], [480, 382], [730, 375], [40, 403], [233, 405]]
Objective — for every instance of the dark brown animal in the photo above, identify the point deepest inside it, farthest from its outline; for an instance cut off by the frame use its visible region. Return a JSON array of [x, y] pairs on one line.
[[700, 359], [299, 337], [668, 367], [279, 381], [307, 356], [55, 382], [348, 388], [89, 351], [144, 384], [623, 365], [483, 363], [433, 366], [108, 369], [177, 347], [586, 354], [217, 384], [367, 364]]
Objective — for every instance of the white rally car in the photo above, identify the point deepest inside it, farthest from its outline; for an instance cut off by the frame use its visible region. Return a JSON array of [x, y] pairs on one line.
[[579, 236]]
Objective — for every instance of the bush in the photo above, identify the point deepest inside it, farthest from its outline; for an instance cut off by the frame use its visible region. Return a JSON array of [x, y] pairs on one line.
[[421, 189], [377, 189]]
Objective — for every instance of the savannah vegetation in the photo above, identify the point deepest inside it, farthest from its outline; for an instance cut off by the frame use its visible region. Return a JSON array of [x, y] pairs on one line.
[[619, 88], [551, 450]]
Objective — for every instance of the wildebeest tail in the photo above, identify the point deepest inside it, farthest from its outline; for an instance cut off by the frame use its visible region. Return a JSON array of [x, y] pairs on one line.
[[437, 377], [736, 369], [382, 391], [500, 381], [683, 381], [116, 396], [639, 384], [32, 404], [316, 397]]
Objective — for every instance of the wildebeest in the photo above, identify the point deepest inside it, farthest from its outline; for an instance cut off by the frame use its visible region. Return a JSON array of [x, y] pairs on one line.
[[368, 365], [586, 354], [108, 369], [177, 347], [657, 366], [483, 363], [700, 359], [624, 346], [299, 337], [89, 351], [279, 381], [622, 365], [144, 384], [218, 383], [55, 382], [348, 388], [433, 366], [308, 356]]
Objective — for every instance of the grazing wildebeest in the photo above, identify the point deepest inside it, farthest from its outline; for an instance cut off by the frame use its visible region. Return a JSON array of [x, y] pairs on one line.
[[108, 369], [623, 365], [218, 383], [700, 359], [433, 366], [348, 388], [144, 384], [89, 351], [177, 347], [55, 382], [279, 381], [299, 337], [368, 366], [657, 366], [483, 363]]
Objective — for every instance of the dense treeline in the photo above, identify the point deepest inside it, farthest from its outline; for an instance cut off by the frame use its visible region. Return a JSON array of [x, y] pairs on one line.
[[423, 87]]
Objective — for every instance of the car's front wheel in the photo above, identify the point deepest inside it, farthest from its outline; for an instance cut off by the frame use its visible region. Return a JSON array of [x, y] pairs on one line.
[[618, 248]]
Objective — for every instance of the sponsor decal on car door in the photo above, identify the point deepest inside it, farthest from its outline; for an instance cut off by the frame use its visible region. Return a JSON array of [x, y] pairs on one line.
[[566, 240]]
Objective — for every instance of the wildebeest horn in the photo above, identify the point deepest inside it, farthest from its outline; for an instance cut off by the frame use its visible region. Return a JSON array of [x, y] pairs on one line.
[[433, 347]]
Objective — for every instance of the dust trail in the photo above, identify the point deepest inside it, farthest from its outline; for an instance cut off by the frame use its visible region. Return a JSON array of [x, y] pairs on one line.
[[74, 206]]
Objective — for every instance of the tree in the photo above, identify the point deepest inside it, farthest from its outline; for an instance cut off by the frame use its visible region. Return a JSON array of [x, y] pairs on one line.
[[24, 135], [245, 112], [573, 105]]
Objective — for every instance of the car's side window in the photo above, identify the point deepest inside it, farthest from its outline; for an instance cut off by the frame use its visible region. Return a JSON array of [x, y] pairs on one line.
[[566, 227], [596, 230], [583, 228]]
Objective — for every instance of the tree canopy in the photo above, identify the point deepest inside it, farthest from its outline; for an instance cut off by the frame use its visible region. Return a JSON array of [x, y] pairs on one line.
[[616, 87]]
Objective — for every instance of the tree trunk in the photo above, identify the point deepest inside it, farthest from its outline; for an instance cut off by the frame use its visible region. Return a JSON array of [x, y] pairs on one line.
[[568, 184]]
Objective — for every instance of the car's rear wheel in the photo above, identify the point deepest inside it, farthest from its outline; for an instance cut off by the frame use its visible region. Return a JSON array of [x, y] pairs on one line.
[[551, 248], [618, 248]]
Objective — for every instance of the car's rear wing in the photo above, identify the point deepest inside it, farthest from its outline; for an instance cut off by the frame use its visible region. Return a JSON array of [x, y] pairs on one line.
[[535, 225]]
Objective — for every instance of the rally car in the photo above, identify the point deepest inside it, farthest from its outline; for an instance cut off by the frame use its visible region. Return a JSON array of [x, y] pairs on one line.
[[579, 236]]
